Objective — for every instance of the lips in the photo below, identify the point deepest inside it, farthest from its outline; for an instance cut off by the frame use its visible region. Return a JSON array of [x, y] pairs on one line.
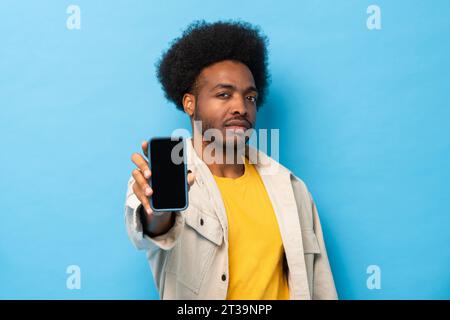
[[238, 124]]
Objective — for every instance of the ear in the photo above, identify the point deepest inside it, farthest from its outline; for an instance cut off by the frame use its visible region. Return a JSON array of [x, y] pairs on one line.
[[189, 103]]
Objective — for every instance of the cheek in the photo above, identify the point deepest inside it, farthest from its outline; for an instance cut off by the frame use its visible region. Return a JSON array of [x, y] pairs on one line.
[[252, 114], [212, 111]]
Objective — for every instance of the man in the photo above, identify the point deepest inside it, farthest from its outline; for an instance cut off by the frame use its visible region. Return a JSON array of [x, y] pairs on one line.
[[250, 232]]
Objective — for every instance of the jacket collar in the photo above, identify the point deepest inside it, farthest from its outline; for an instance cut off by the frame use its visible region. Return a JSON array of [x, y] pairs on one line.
[[263, 163]]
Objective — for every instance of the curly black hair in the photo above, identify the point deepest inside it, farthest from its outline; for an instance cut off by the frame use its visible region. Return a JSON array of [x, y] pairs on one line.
[[203, 44]]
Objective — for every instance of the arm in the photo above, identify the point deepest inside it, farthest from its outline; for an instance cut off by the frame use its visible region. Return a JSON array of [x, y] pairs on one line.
[[322, 278], [156, 225], [135, 228], [146, 229], [324, 288]]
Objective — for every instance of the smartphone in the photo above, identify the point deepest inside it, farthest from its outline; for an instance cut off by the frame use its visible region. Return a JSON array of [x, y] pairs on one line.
[[167, 161]]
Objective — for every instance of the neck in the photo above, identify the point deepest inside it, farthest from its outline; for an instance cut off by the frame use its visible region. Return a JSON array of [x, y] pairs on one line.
[[221, 167]]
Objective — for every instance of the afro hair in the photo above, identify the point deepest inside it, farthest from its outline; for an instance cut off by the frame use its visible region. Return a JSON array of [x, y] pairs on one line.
[[203, 44]]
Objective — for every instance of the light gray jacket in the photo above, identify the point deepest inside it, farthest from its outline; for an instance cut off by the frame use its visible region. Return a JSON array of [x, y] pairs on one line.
[[190, 261]]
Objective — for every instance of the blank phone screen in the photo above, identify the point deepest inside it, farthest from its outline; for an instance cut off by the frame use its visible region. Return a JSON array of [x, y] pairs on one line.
[[168, 179]]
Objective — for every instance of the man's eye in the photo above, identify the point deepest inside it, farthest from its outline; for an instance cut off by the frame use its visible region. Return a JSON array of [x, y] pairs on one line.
[[251, 98], [223, 95]]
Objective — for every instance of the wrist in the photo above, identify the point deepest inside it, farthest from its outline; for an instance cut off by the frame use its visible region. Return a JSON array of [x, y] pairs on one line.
[[153, 225]]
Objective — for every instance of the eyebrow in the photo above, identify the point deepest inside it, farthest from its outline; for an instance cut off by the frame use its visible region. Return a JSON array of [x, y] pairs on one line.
[[232, 87]]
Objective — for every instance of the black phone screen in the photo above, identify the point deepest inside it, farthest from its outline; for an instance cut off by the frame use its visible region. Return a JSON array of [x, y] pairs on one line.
[[168, 179]]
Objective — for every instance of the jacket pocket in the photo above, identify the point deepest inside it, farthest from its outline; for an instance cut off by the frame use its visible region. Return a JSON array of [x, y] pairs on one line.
[[191, 258]]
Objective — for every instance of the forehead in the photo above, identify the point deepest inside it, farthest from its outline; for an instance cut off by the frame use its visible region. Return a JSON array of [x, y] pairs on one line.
[[229, 72]]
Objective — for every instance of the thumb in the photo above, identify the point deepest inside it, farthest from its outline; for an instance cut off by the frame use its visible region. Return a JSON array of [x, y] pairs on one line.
[[190, 178]]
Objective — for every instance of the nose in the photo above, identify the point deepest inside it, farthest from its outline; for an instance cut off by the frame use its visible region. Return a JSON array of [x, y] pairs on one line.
[[239, 106]]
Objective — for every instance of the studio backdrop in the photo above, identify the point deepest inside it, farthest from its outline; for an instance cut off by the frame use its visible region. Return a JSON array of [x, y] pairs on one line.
[[360, 93]]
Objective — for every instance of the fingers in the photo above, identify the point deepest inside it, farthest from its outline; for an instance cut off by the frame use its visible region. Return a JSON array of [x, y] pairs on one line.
[[142, 182], [144, 146], [142, 164], [141, 175], [190, 178], [142, 198]]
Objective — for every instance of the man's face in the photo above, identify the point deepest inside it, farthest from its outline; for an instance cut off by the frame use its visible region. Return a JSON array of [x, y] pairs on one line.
[[226, 100]]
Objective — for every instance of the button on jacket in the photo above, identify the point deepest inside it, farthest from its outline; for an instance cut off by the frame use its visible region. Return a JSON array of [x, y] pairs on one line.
[[190, 261]]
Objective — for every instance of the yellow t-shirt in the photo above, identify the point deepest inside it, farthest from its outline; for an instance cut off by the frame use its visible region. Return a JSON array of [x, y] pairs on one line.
[[255, 247]]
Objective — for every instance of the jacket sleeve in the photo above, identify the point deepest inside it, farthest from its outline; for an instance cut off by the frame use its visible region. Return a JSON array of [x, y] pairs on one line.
[[135, 231], [324, 288], [157, 247]]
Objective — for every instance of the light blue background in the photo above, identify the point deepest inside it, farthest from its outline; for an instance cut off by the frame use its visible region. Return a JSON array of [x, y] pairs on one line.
[[363, 118]]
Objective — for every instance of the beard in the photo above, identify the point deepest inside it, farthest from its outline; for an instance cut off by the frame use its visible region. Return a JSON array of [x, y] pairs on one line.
[[213, 135], [226, 139]]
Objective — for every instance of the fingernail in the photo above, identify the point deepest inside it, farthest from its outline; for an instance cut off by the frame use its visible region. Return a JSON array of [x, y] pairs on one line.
[[147, 173], [149, 211], [148, 191]]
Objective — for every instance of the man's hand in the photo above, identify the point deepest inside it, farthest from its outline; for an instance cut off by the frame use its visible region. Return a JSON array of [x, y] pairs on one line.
[[155, 224]]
